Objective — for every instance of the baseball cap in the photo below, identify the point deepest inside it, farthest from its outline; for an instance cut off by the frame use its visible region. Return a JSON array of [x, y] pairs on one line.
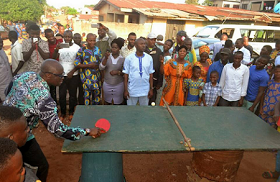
[[225, 51], [152, 36]]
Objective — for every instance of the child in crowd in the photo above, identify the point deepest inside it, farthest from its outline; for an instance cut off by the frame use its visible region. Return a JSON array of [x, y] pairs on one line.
[[272, 96], [192, 87], [212, 91]]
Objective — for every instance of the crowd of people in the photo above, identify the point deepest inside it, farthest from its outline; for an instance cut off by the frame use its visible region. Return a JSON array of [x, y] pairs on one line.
[[110, 70]]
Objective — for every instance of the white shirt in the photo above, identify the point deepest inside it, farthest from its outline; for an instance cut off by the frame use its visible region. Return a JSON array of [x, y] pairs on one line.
[[138, 76], [234, 82], [67, 57], [125, 51], [246, 55], [17, 56]]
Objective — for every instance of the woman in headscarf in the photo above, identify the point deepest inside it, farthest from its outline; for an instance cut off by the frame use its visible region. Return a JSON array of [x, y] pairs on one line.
[[204, 62], [175, 70]]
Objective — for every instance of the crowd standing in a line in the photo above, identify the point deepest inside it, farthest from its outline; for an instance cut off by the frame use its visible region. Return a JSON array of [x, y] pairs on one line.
[[106, 69]]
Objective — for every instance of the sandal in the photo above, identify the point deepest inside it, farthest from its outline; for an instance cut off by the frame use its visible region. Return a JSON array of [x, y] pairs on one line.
[[271, 175]]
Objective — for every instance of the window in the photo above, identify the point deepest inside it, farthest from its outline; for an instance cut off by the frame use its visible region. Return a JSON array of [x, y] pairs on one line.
[[119, 18], [228, 31], [206, 31], [226, 5], [244, 6], [236, 6], [101, 18], [261, 35], [110, 17]]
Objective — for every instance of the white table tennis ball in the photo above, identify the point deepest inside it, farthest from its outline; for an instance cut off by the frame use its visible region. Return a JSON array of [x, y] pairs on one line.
[[153, 104]]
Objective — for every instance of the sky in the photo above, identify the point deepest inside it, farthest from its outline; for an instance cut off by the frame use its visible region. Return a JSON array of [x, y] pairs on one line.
[[80, 3]]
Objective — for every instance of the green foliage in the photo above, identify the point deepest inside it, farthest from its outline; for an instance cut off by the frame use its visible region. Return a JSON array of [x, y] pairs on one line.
[[22, 10], [90, 6], [207, 3], [191, 2], [69, 11]]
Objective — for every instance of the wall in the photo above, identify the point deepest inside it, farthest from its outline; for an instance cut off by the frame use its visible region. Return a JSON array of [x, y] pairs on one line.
[[159, 27]]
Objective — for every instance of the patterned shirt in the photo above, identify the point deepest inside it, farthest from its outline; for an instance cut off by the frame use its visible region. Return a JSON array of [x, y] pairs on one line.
[[193, 88], [211, 93], [35, 60], [91, 78], [126, 52], [30, 93]]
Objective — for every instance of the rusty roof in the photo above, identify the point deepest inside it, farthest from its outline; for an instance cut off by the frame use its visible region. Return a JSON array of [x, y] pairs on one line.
[[216, 13]]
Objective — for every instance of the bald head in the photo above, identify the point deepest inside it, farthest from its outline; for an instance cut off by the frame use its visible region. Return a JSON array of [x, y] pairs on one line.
[[224, 37], [137, 41], [51, 65]]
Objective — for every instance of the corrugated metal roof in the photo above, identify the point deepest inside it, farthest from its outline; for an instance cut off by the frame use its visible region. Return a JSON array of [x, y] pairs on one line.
[[167, 13], [216, 13]]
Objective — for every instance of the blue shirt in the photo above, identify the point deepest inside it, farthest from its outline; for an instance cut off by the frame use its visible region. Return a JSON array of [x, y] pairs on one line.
[[138, 70], [258, 78], [216, 66]]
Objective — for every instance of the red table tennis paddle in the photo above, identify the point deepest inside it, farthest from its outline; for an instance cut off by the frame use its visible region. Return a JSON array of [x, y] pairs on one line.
[[104, 124]]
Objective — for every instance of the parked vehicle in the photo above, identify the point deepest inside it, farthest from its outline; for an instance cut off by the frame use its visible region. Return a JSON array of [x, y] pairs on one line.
[[198, 42], [258, 35], [4, 32]]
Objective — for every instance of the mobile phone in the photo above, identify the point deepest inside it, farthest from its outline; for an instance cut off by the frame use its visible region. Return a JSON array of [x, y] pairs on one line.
[[35, 39], [64, 45], [94, 25]]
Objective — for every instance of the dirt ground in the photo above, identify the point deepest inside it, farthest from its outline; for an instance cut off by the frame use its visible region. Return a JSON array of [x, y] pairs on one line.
[[162, 167]]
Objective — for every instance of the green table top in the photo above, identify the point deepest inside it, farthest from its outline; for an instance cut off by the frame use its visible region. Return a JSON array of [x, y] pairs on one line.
[[151, 129]]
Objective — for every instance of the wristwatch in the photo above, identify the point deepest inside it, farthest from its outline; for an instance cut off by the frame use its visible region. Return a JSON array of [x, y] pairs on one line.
[[87, 131]]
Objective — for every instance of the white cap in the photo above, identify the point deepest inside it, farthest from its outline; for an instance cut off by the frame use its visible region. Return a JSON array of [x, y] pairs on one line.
[[152, 36], [277, 61]]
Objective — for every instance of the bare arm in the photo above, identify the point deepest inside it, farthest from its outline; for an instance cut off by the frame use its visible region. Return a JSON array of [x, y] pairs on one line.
[[44, 55], [258, 98], [20, 64], [126, 93], [150, 94], [217, 101]]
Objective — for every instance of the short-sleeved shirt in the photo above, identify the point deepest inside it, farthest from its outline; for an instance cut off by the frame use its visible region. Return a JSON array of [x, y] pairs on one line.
[[30, 93], [35, 60], [125, 51], [138, 70], [17, 56], [53, 46], [258, 78], [193, 90], [216, 66], [91, 78], [211, 93], [67, 56]]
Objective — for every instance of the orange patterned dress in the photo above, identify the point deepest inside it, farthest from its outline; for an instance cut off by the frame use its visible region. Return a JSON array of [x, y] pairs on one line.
[[204, 70], [175, 73]]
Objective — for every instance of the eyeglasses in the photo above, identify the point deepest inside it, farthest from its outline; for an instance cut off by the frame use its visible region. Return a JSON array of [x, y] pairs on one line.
[[60, 76]]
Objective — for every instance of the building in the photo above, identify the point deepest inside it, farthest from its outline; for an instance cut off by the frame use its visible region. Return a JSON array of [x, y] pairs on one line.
[[226, 4], [258, 5], [142, 17]]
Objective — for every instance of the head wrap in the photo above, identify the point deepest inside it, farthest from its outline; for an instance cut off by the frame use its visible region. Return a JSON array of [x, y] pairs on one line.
[[203, 49]]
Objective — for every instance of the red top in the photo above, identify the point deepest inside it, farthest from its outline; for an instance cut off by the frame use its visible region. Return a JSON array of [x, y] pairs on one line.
[[53, 46]]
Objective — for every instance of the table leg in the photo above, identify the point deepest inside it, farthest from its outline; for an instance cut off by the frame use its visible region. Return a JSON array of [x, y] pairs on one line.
[[100, 167]]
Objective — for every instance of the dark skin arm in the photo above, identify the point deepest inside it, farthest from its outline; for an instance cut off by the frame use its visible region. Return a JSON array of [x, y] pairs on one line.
[[21, 63], [27, 55], [240, 102], [203, 99], [258, 98], [56, 54], [276, 112], [217, 101], [150, 94], [186, 95], [91, 65], [126, 93]]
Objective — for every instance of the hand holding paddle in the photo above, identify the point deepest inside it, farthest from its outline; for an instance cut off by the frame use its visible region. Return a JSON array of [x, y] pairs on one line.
[[96, 132]]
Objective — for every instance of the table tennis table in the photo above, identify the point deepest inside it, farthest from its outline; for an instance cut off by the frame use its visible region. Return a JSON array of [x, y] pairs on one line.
[[144, 129]]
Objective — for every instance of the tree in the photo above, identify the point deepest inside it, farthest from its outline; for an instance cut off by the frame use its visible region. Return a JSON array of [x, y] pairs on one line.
[[69, 11], [90, 6], [22, 10], [207, 3], [191, 2]]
